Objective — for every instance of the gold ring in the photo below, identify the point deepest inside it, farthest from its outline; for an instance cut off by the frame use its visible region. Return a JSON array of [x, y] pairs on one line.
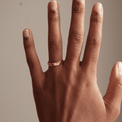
[[55, 63]]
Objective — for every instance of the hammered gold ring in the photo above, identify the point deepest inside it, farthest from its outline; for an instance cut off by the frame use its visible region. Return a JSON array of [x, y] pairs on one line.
[[55, 63]]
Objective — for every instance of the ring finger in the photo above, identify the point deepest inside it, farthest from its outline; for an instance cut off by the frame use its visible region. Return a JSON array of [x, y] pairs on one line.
[[54, 34]]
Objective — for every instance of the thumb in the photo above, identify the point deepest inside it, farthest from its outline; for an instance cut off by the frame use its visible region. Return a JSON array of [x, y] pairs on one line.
[[113, 95]]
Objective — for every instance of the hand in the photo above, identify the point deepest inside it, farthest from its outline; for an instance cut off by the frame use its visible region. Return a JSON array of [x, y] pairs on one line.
[[69, 92]]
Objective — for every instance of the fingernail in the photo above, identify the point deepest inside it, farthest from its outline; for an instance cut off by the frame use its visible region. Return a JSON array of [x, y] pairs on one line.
[[100, 7], [26, 33], [53, 5], [120, 68]]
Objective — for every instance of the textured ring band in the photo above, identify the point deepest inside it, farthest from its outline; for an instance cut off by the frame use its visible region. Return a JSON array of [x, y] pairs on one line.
[[55, 63]]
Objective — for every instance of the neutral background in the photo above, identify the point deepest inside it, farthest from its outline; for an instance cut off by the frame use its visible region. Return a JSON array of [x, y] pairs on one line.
[[16, 98]]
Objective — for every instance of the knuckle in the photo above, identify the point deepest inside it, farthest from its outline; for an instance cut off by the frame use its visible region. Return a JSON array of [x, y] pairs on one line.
[[53, 11], [55, 45], [78, 6], [76, 37], [53, 19], [96, 17], [78, 10], [94, 41], [53, 15]]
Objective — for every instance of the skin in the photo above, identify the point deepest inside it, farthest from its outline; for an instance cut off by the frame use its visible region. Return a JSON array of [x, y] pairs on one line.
[[69, 92]]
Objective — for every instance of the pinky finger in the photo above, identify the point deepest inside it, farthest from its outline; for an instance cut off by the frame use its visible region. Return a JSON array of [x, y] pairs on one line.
[[37, 74]]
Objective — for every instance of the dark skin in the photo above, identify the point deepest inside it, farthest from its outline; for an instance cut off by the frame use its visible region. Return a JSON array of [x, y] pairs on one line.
[[69, 92]]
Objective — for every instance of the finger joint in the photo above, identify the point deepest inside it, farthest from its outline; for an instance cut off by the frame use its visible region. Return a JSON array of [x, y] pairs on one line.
[[94, 41], [76, 37], [78, 6], [53, 15], [96, 17]]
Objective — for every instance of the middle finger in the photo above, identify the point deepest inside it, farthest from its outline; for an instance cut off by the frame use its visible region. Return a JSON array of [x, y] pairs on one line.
[[76, 33]]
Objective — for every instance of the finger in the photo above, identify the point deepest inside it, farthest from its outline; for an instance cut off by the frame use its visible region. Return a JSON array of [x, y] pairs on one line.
[[94, 37], [31, 57], [113, 95], [76, 33], [54, 34]]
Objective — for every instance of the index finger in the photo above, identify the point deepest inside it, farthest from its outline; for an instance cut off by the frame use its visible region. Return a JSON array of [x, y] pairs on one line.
[[94, 38]]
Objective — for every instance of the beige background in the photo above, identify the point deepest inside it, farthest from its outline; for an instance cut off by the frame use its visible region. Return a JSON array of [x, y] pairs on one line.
[[16, 99]]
